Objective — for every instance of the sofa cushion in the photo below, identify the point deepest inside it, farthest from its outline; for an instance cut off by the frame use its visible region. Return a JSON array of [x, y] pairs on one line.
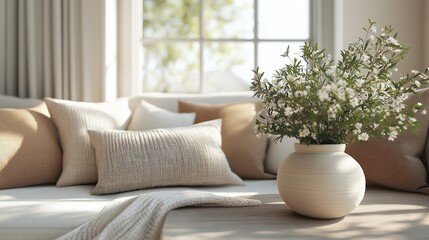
[[73, 119], [183, 156], [245, 152], [30, 151], [148, 116], [401, 163]]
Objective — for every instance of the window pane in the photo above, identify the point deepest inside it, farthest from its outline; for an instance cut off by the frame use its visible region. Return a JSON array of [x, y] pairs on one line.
[[171, 67], [284, 19], [170, 18], [269, 59], [228, 66], [228, 19]]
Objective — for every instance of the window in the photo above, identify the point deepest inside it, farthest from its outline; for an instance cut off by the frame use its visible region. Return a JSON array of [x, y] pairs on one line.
[[212, 45]]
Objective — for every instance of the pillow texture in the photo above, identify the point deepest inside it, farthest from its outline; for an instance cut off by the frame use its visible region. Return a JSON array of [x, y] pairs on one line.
[[401, 163], [73, 119], [30, 151], [245, 152], [130, 160], [148, 116]]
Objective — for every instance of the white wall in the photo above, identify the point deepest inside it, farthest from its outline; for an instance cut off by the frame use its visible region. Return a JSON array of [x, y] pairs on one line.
[[425, 31], [408, 18]]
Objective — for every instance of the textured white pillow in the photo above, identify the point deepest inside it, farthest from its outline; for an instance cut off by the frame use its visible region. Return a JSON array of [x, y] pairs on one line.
[[277, 152], [148, 116], [73, 119], [130, 160]]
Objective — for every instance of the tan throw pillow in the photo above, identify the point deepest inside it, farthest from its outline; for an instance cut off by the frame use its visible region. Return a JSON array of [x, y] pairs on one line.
[[399, 164], [30, 151], [73, 119], [245, 152], [130, 160]]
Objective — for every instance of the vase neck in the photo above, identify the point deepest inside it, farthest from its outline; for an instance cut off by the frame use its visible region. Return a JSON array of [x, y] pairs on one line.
[[319, 148]]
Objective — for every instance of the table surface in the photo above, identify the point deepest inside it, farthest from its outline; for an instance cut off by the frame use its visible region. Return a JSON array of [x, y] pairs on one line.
[[383, 214]]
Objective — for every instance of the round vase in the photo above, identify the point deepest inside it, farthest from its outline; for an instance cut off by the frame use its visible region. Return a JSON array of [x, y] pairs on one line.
[[321, 181]]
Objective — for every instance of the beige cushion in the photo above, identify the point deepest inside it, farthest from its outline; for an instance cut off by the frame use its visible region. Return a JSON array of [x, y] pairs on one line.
[[30, 151], [148, 116], [244, 151], [130, 160], [399, 164], [73, 119]]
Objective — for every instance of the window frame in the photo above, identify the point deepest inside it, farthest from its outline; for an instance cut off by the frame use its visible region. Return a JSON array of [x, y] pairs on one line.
[[325, 29]]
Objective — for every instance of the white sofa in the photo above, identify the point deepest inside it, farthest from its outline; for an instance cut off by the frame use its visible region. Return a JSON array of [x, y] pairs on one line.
[[47, 211]]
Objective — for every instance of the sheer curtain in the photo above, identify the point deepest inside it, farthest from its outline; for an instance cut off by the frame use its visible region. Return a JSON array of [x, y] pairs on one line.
[[59, 48]]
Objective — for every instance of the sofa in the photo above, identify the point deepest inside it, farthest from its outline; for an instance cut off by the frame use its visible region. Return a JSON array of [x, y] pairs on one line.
[[31, 208]]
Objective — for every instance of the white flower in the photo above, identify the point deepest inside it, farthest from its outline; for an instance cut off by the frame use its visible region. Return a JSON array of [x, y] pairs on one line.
[[415, 72], [354, 102], [304, 132], [290, 78], [393, 133], [300, 80], [424, 112], [365, 58], [323, 95], [363, 137], [373, 29], [274, 113], [417, 83], [358, 126], [392, 40], [331, 71], [288, 111]]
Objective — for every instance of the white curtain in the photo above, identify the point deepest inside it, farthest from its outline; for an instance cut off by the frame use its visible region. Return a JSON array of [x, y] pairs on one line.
[[59, 48]]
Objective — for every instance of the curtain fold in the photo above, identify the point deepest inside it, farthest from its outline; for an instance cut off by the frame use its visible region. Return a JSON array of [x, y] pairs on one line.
[[58, 48]]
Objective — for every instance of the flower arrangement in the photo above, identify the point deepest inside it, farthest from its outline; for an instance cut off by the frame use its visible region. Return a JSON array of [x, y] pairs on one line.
[[319, 101]]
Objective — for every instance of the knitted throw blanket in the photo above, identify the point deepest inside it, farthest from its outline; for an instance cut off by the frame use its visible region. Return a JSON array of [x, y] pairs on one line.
[[142, 217]]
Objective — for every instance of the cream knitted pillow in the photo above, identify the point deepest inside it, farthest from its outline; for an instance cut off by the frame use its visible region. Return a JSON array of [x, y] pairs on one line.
[[128, 160], [73, 119]]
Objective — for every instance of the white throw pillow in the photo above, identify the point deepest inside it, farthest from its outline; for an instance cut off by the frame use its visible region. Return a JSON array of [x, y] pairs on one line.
[[277, 152], [148, 116], [73, 119], [183, 156]]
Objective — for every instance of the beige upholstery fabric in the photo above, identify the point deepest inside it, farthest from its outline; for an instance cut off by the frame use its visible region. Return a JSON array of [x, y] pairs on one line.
[[399, 164], [148, 116], [244, 151], [73, 119], [30, 152], [128, 160]]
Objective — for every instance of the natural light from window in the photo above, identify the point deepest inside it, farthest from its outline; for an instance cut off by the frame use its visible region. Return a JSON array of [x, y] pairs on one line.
[[200, 46]]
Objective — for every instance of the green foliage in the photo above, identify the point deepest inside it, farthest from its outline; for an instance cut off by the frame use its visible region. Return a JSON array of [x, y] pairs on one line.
[[319, 101]]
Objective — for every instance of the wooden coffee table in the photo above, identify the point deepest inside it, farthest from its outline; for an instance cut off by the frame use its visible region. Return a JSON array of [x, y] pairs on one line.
[[383, 214]]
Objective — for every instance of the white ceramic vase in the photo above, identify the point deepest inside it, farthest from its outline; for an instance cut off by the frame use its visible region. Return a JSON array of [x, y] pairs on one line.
[[321, 181]]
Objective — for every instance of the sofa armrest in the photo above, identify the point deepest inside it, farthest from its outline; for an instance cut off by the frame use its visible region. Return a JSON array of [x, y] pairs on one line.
[[277, 152]]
